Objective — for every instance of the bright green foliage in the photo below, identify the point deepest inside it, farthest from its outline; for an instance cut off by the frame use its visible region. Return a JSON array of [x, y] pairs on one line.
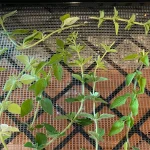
[[10, 84], [130, 22], [119, 101], [26, 107], [125, 146], [101, 18], [117, 127], [58, 71], [39, 86], [134, 106], [27, 79], [129, 78], [14, 108]]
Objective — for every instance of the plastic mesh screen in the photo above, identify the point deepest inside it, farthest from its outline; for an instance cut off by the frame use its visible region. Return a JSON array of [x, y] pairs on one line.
[[47, 18]]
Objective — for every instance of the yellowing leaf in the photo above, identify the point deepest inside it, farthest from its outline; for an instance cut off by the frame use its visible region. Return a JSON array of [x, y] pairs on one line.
[[14, 108]]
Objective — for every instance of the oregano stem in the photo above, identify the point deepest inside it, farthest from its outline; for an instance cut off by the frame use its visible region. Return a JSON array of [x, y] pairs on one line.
[[94, 104], [119, 19], [79, 111], [56, 31], [35, 114], [9, 36], [128, 128], [9, 93], [3, 142]]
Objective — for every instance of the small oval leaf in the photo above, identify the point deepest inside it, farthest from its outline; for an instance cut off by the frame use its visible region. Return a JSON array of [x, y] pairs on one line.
[[26, 107], [14, 108], [47, 105]]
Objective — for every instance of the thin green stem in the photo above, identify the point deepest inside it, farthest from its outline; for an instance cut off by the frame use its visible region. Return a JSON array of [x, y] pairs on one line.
[[128, 128], [119, 19], [3, 142], [79, 111], [56, 31], [127, 138], [35, 114], [94, 113], [69, 125], [9, 93], [9, 35]]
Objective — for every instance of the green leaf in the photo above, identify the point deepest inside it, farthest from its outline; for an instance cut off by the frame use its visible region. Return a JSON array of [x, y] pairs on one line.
[[119, 101], [130, 121], [2, 69], [70, 21], [134, 106], [26, 107], [70, 100], [78, 77], [40, 67], [29, 38], [75, 99], [86, 115], [23, 59], [130, 22], [50, 128], [60, 43], [64, 17], [117, 127], [129, 78], [145, 60], [83, 121], [125, 146], [97, 135], [52, 132], [61, 117], [99, 79], [101, 19], [142, 84], [39, 86], [27, 79], [116, 27], [146, 26], [40, 138], [30, 145], [8, 15], [55, 58], [2, 50], [131, 57], [47, 105], [10, 84], [135, 148], [98, 99], [20, 31], [115, 12], [39, 35], [14, 108], [58, 71], [38, 126], [105, 116]]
